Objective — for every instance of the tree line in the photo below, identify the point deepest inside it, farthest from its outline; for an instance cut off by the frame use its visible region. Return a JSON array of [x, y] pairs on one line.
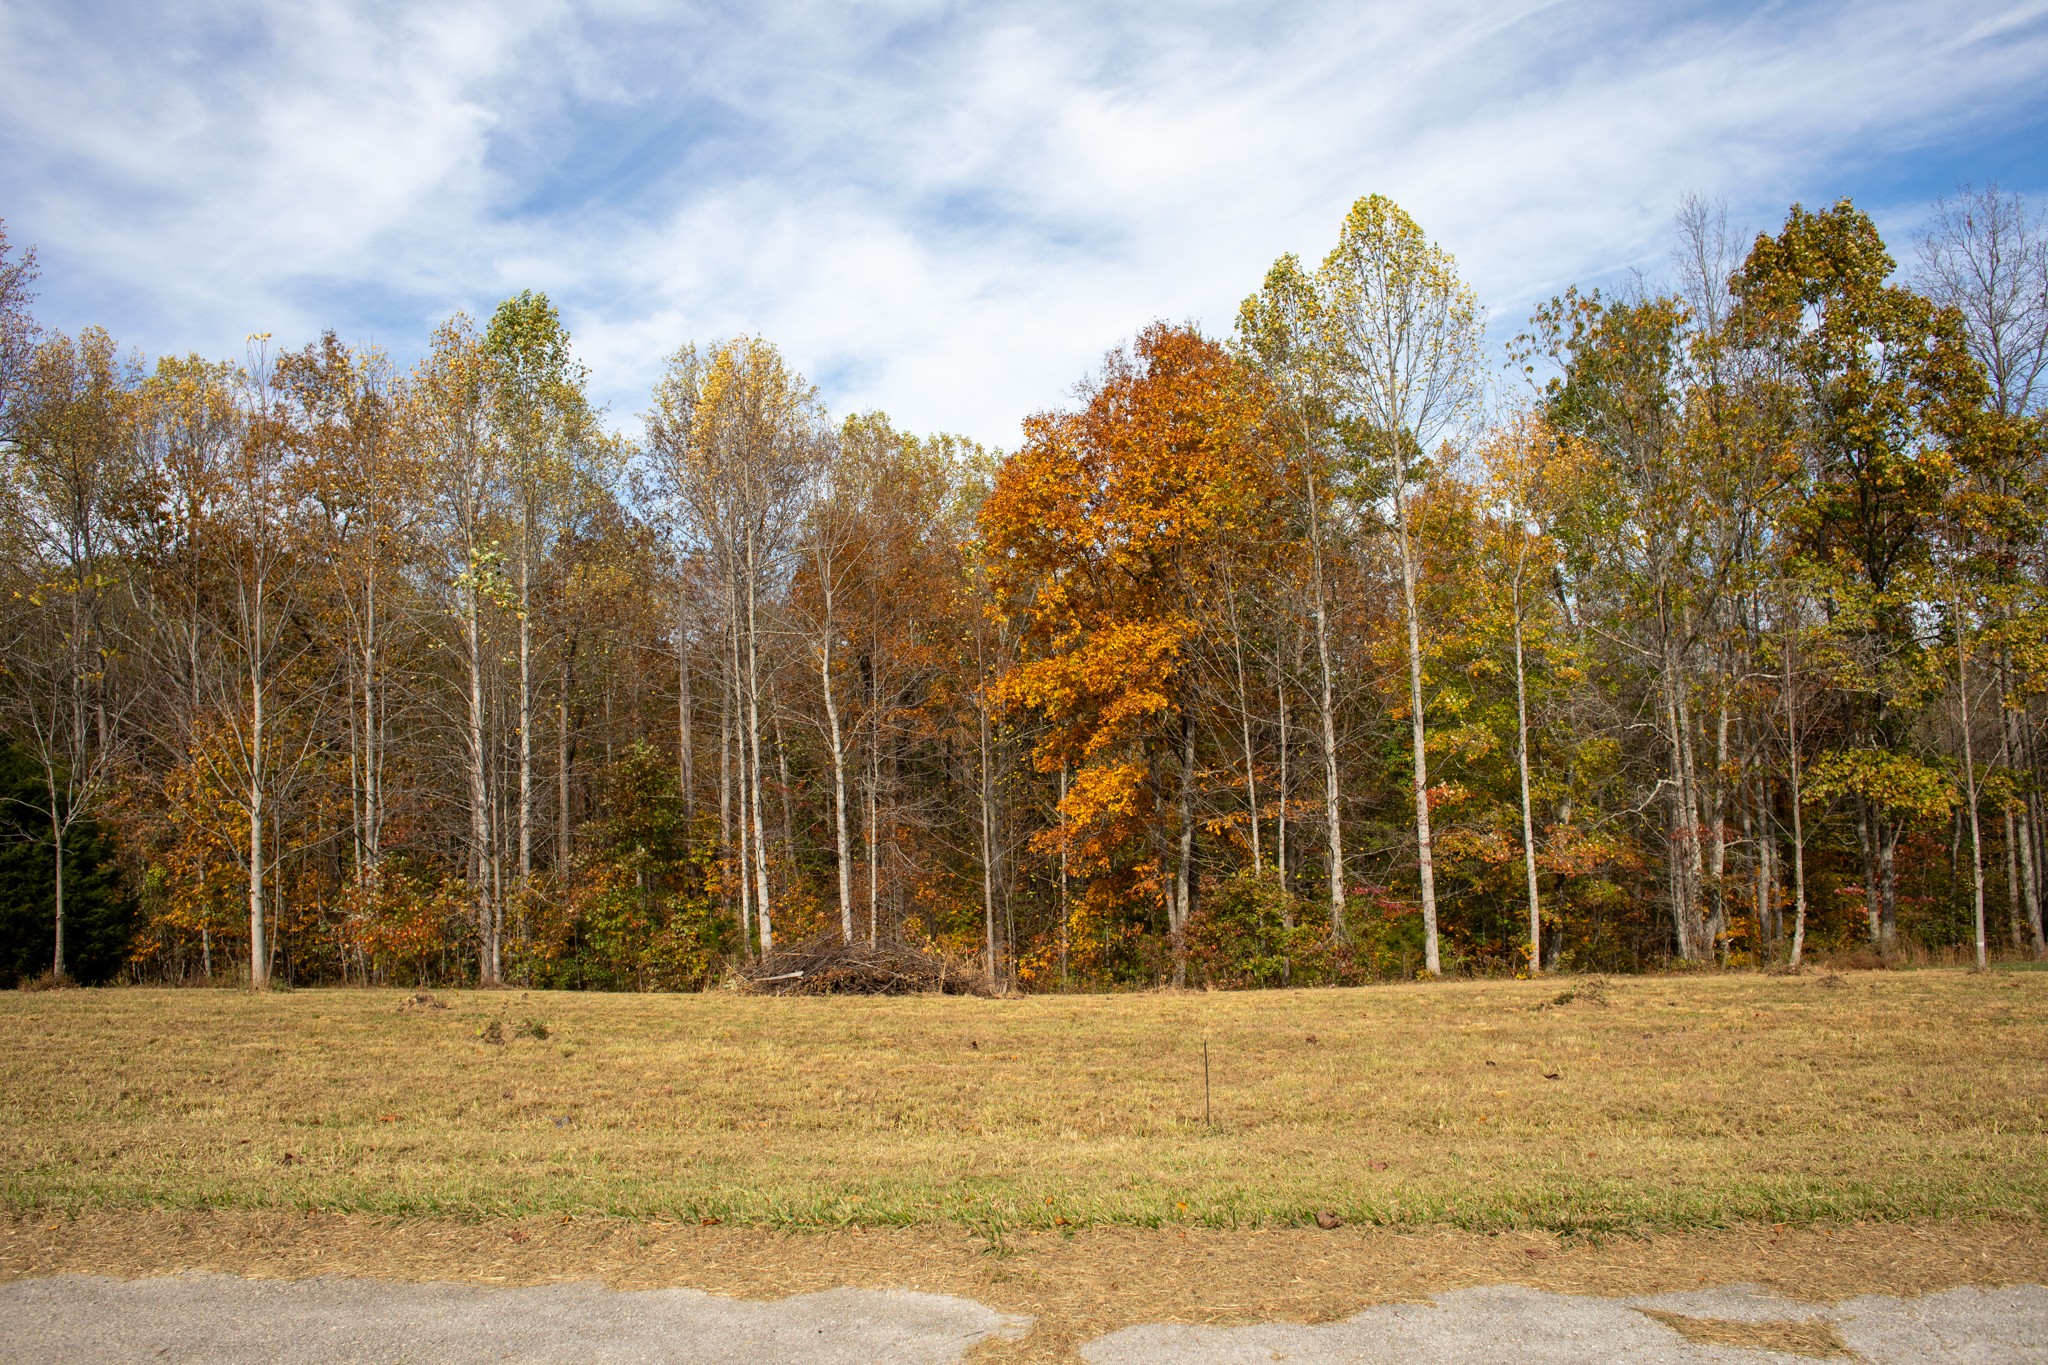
[[1705, 626]]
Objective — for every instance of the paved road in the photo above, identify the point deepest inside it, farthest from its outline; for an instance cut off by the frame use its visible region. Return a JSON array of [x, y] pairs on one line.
[[1512, 1325], [219, 1318]]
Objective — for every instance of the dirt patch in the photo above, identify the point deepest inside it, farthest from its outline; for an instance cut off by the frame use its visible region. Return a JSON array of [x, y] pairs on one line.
[[1078, 1286], [1817, 1339]]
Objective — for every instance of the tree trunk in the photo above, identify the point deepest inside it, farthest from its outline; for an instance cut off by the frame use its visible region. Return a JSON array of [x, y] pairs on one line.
[[988, 837], [1770, 921], [781, 771], [1064, 912], [2020, 823], [1696, 865], [57, 846], [562, 762], [1867, 844], [730, 837], [1528, 817], [844, 837], [525, 728], [1681, 893], [1244, 726], [373, 729], [2030, 882], [2015, 911], [763, 919], [1717, 929], [1888, 832], [1798, 852], [1332, 792], [1184, 868], [686, 749], [1425, 848], [874, 849], [259, 959], [1970, 786], [479, 797], [1280, 706]]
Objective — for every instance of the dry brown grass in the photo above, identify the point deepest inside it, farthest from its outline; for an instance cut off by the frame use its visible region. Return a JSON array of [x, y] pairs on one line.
[[1818, 1339], [1076, 1285], [1674, 1103]]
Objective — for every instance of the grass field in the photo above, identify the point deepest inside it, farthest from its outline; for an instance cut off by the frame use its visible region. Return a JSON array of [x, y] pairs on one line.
[[1672, 1103]]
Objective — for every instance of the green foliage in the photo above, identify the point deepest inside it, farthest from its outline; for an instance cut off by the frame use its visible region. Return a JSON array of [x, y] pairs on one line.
[[639, 916], [1898, 784], [1252, 931], [99, 914]]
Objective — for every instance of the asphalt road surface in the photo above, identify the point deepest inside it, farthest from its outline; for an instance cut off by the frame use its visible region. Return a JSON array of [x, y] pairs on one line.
[[224, 1320]]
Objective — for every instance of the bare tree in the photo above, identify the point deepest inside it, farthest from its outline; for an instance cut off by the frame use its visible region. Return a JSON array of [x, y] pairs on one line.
[[737, 437]]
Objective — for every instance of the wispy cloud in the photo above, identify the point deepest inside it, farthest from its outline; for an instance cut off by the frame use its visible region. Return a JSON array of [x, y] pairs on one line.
[[945, 211]]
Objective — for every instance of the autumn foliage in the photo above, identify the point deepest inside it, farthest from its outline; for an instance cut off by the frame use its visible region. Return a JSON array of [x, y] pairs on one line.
[[1310, 653]]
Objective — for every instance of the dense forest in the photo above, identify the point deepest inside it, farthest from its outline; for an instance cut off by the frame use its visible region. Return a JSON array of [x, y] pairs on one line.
[[1703, 626]]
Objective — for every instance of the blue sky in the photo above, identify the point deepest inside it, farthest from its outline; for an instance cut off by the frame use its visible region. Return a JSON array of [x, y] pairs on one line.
[[945, 211]]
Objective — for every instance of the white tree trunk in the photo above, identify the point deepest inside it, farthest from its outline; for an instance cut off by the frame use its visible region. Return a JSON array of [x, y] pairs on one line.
[[988, 837], [1425, 848], [563, 834], [479, 795], [525, 727], [1798, 818], [57, 846], [1528, 818], [763, 919], [259, 959], [1332, 792], [1184, 868], [845, 839], [686, 748]]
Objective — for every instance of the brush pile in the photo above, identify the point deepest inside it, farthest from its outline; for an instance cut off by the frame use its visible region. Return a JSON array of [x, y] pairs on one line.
[[825, 966], [1591, 991]]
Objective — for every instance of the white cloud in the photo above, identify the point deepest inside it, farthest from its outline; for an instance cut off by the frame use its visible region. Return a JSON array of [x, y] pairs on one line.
[[945, 212]]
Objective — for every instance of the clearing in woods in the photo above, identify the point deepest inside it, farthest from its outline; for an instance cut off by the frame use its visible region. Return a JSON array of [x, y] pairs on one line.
[[1825, 1135], [1645, 1103]]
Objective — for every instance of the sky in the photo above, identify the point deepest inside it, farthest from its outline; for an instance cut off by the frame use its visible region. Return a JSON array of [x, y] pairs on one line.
[[945, 211]]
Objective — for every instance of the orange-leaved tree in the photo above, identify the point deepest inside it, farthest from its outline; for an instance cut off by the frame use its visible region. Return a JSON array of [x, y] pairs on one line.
[[1104, 534]]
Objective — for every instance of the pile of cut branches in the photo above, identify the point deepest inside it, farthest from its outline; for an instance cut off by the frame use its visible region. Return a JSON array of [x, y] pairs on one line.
[[825, 966]]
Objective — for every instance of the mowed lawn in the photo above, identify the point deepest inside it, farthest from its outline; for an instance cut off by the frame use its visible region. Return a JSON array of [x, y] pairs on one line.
[[1676, 1103]]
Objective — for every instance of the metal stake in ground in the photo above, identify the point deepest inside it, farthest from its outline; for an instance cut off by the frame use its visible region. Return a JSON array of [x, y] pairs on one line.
[[1206, 1123]]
